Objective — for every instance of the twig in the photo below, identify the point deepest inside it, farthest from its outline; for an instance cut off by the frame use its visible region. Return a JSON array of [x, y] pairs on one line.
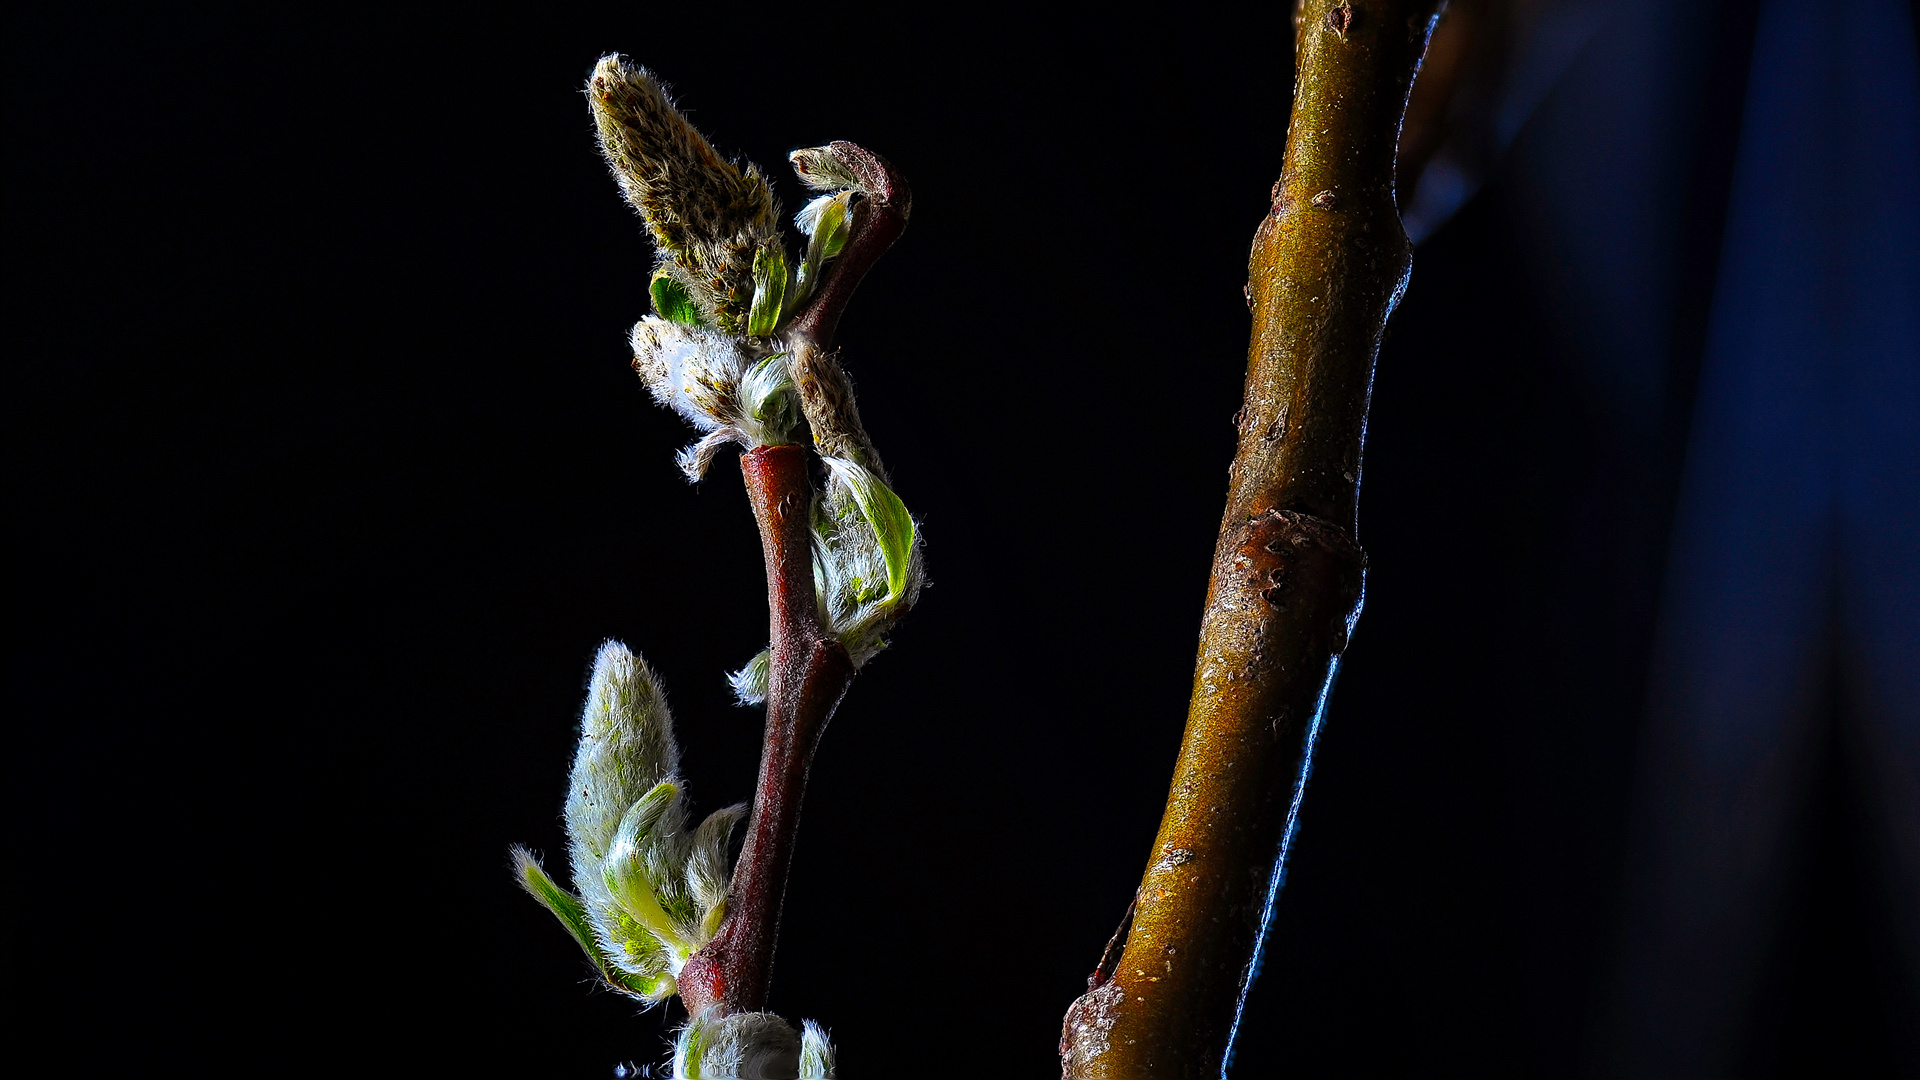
[[809, 669], [878, 220], [810, 673], [739, 344], [1329, 263]]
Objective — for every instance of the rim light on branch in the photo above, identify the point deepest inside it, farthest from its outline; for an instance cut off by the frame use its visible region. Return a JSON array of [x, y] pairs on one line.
[[1329, 262]]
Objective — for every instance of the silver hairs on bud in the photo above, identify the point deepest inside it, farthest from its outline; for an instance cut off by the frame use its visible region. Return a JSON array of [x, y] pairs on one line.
[[648, 892], [626, 748], [751, 1046], [750, 682], [717, 385], [816, 1052]]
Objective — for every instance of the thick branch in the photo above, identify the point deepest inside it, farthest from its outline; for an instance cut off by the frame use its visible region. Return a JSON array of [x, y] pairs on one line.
[[1329, 263], [810, 673]]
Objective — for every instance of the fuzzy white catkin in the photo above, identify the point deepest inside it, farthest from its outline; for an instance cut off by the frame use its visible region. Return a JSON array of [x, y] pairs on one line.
[[751, 1046], [715, 384], [652, 890], [626, 748]]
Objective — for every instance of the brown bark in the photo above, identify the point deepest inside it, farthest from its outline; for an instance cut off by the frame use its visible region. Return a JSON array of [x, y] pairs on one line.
[[1329, 263]]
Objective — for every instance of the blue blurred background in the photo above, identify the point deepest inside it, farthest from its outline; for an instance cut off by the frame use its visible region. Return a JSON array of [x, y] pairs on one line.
[[328, 474]]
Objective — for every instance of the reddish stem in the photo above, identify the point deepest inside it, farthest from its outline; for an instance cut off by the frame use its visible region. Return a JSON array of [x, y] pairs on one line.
[[879, 217], [810, 673]]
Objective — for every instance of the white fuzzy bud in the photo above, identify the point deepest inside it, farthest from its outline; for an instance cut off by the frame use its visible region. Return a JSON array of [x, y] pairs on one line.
[[750, 682], [626, 748], [716, 383], [867, 557], [650, 892], [751, 1046]]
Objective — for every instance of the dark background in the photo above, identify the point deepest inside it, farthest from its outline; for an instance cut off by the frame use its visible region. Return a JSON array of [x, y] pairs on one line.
[[328, 474]]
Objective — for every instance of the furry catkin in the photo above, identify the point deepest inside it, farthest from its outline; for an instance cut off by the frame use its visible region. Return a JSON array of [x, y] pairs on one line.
[[751, 1046], [708, 216], [826, 397], [626, 747], [647, 891]]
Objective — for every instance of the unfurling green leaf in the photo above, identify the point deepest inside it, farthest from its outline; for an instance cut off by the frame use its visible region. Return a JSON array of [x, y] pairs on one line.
[[672, 302], [625, 868], [563, 904], [826, 221], [892, 526], [769, 288], [567, 908], [836, 227], [769, 410]]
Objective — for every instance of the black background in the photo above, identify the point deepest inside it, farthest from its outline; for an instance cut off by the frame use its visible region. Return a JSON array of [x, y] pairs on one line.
[[329, 474]]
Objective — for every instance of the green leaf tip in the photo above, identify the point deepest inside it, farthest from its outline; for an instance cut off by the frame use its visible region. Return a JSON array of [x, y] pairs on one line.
[[892, 526], [626, 867], [769, 290], [564, 905], [672, 302]]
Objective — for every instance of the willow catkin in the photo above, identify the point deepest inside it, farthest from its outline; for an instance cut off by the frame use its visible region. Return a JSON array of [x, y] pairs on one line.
[[707, 215]]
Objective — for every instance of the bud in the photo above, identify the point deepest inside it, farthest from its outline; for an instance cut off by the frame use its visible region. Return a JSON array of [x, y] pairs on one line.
[[649, 895], [706, 214], [867, 558], [769, 289], [750, 682], [758, 1044]]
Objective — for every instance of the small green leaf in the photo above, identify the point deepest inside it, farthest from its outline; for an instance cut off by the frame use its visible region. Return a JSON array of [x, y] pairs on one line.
[[836, 222], [825, 221], [892, 526], [769, 288], [625, 867], [564, 906], [672, 302]]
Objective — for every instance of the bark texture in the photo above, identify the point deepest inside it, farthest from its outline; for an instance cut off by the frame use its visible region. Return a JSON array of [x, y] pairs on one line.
[[1329, 262]]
